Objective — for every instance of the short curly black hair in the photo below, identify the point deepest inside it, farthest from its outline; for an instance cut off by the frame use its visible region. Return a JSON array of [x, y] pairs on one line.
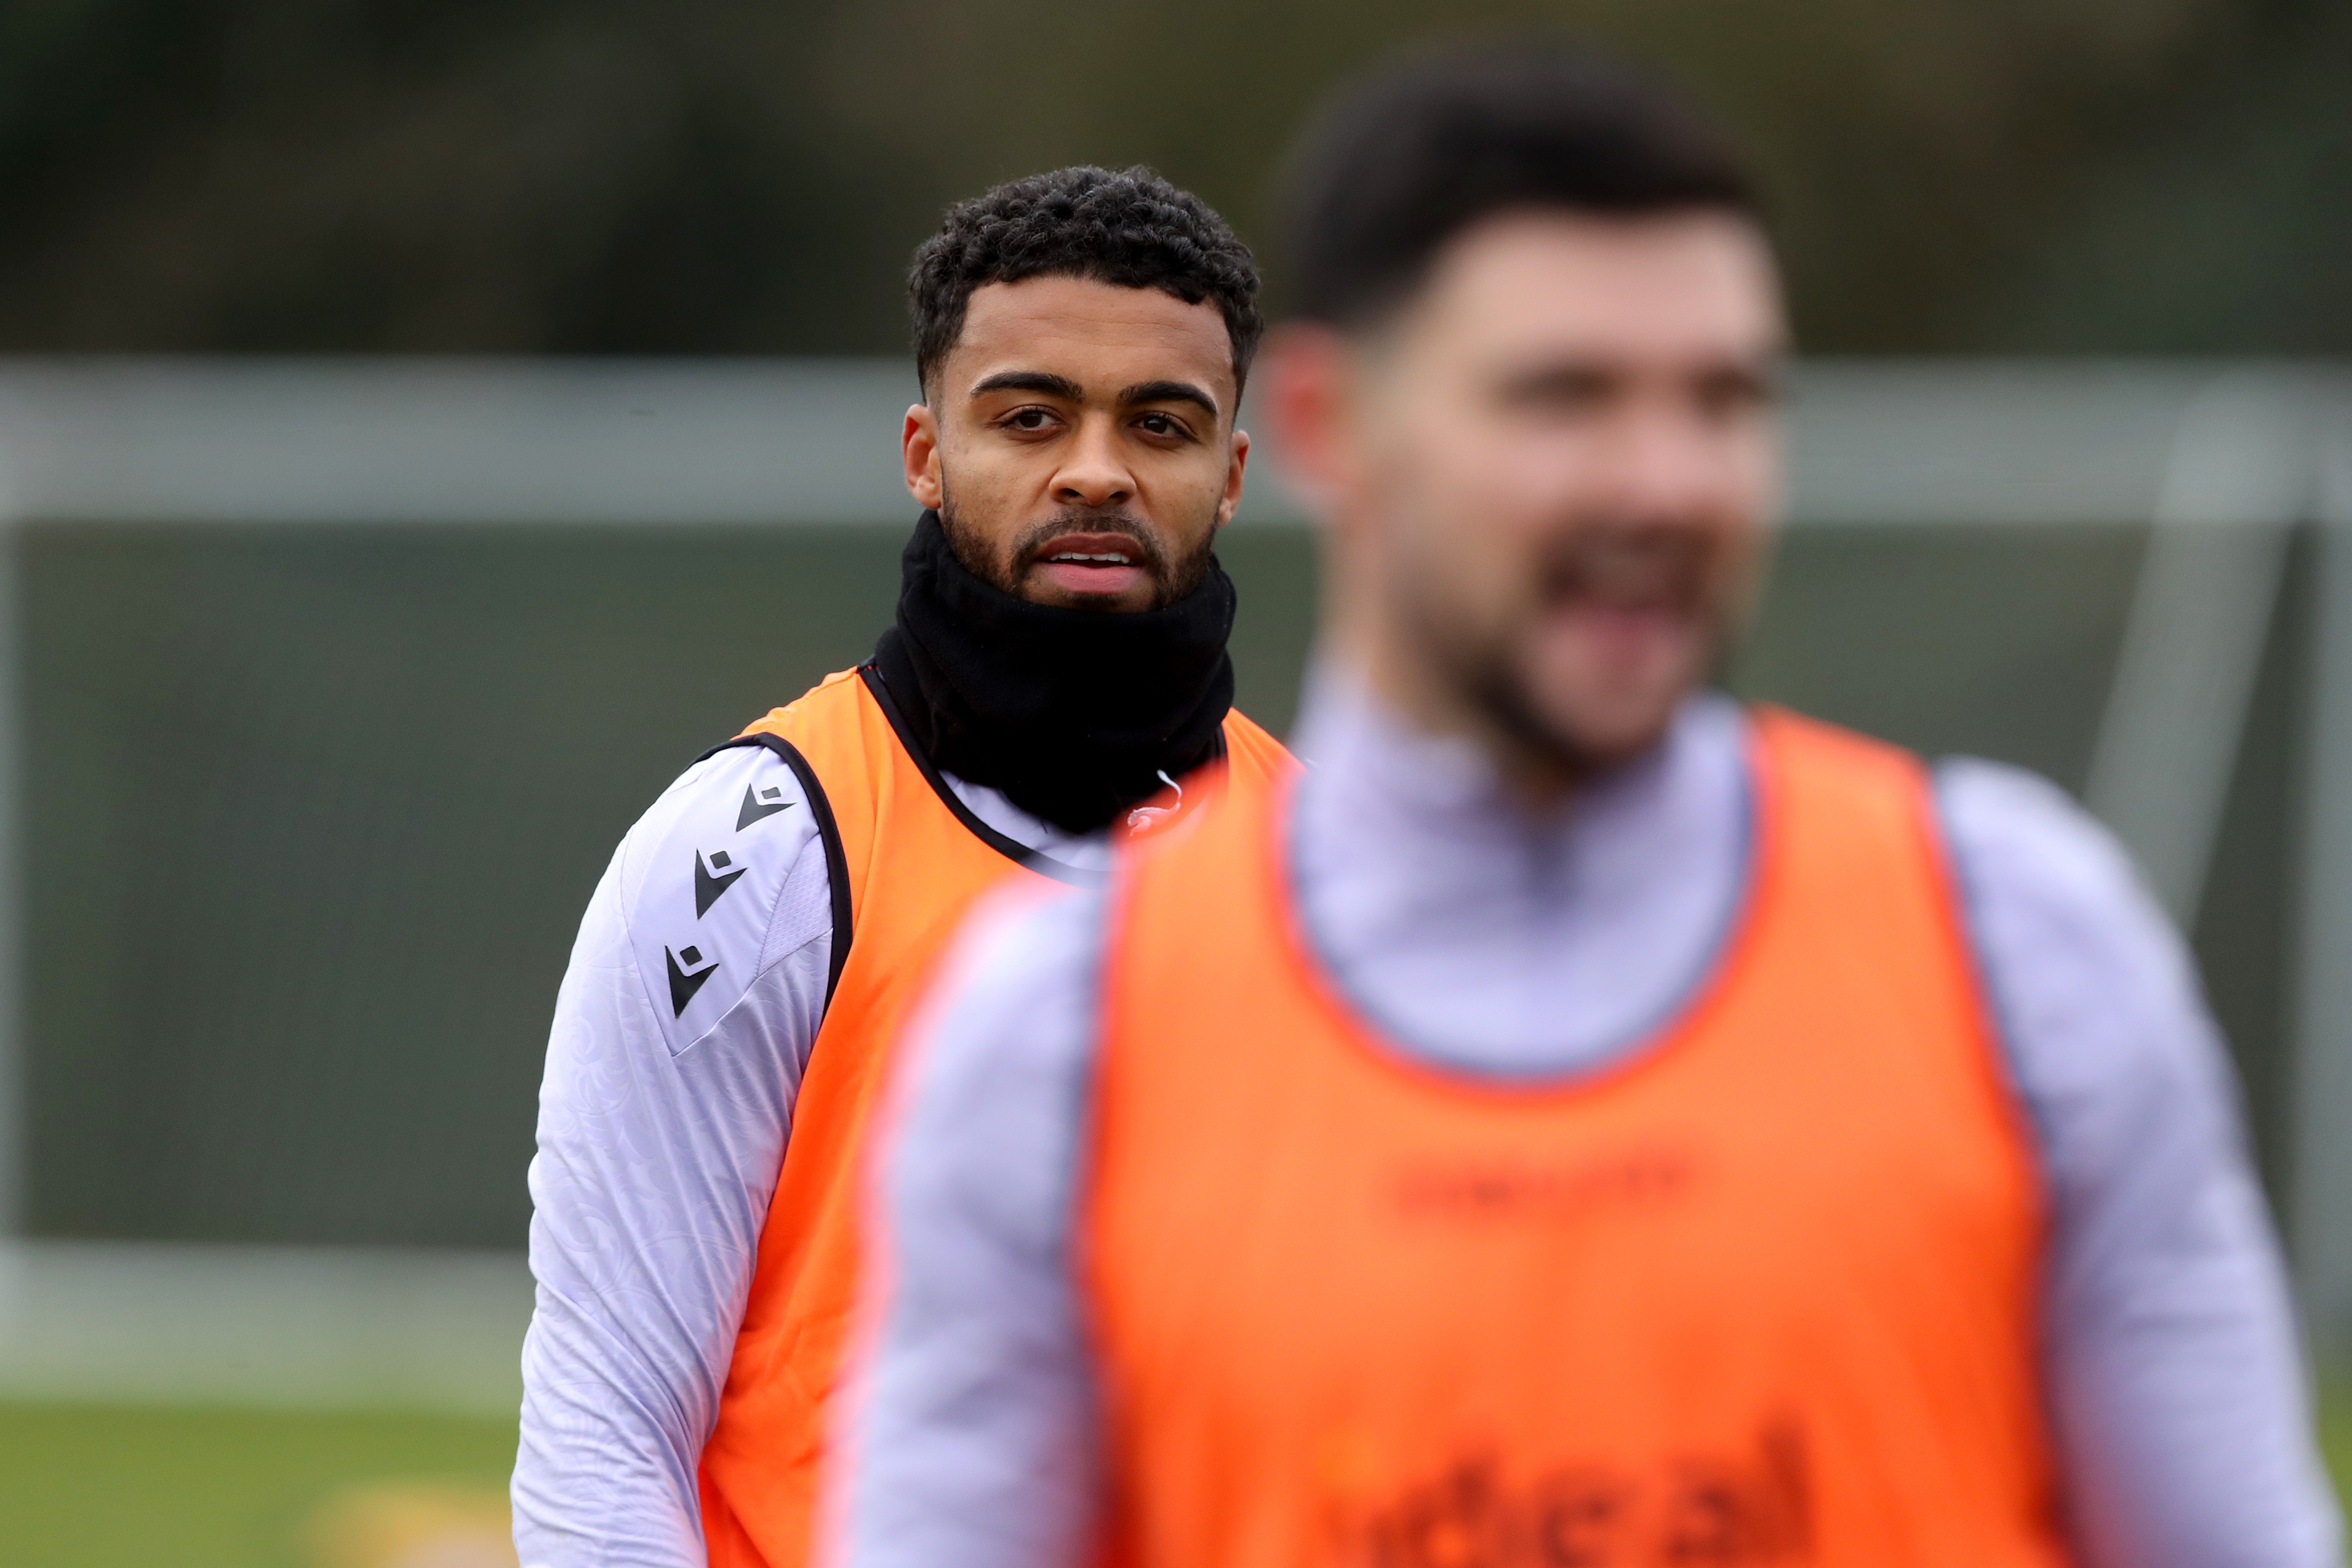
[[1131, 228]]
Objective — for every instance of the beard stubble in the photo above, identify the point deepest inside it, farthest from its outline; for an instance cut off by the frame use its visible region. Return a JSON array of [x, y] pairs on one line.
[[1171, 577]]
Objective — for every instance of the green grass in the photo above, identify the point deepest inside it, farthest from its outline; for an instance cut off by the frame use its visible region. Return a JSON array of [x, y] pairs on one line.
[[2335, 1433], [101, 1486], [96, 1487]]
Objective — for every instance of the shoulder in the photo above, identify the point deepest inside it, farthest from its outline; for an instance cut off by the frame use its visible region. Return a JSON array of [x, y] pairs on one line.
[[826, 724], [1843, 769], [1251, 745], [721, 878], [2093, 990], [2032, 860]]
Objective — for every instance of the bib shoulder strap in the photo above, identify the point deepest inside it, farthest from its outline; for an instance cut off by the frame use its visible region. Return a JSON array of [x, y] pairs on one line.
[[1824, 756], [825, 721], [1249, 748]]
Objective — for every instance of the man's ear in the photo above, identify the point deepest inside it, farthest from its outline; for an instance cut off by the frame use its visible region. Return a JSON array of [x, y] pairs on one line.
[[1237, 458], [1304, 369], [918, 454]]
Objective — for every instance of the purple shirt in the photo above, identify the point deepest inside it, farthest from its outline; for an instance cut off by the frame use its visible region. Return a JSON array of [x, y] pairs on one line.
[[1495, 941]]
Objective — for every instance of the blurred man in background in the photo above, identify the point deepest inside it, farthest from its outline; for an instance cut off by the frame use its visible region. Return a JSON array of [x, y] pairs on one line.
[[1058, 667], [1581, 1121]]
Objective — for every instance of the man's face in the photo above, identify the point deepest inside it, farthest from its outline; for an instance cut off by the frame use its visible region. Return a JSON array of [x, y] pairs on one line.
[[1552, 473], [1079, 442]]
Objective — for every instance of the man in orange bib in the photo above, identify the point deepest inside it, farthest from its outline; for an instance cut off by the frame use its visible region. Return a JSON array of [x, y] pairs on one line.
[[1578, 1121], [1057, 669]]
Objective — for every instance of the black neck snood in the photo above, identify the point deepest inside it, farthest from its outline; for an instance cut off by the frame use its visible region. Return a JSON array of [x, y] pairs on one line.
[[1074, 714]]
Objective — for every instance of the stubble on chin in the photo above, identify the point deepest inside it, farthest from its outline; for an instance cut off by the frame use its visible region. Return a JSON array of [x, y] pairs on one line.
[[1537, 743], [1487, 674]]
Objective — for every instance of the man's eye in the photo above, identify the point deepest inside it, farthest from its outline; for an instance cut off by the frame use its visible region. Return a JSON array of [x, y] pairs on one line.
[[1734, 396], [1161, 424], [1029, 419]]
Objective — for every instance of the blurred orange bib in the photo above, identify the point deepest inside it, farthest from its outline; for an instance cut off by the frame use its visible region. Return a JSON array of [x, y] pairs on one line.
[[1765, 1293], [907, 861]]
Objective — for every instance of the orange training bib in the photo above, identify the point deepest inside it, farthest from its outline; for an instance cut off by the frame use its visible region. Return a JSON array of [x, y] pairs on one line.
[[907, 864], [1763, 1294]]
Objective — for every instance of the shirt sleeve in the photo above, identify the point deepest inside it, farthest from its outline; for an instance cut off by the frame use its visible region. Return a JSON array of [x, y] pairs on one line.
[[681, 1029], [969, 1434], [2175, 1383]]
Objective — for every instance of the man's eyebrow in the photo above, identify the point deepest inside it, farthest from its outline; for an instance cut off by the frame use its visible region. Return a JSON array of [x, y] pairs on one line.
[[1052, 385], [1551, 376], [1167, 392]]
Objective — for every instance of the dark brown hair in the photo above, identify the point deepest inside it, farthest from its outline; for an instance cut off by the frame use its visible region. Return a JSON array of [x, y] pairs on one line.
[[1407, 158]]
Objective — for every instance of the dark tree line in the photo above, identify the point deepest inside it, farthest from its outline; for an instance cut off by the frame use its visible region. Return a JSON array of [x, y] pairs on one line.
[[718, 176]]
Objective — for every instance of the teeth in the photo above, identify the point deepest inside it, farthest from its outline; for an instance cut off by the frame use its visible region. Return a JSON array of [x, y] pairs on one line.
[[1111, 560]]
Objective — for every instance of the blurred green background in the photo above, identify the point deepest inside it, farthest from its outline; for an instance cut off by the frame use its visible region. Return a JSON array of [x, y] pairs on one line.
[[318, 810], [313, 811], [713, 176]]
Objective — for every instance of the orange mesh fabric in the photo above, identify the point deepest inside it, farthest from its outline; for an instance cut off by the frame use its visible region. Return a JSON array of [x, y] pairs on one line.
[[1763, 1294], [913, 871]]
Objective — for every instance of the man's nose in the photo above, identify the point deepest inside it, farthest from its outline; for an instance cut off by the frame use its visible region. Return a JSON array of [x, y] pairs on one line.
[[1096, 473], [1667, 466]]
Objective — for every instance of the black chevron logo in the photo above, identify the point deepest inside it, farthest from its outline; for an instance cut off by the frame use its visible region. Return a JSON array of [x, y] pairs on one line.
[[687, 971], [713, 874], [760, 800]]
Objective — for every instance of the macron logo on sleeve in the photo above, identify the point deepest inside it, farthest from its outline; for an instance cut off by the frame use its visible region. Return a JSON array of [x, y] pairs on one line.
[[760, 800], [715, 871], [717, 856], [688, 970]]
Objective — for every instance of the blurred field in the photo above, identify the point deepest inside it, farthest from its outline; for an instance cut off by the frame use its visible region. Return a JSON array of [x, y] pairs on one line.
[[2335, 1432], [84, 1487], [88, 1487]]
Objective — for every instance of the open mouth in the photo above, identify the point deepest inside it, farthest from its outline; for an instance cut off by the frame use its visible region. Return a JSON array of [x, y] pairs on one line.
[[1091, 563], [1627, 600]]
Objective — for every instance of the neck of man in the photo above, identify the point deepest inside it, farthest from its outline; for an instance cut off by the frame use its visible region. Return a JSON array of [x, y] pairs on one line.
[[1541, 777]]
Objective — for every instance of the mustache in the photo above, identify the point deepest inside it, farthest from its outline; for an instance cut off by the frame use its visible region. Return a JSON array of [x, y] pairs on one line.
[[1152, 556], [1647, 566]]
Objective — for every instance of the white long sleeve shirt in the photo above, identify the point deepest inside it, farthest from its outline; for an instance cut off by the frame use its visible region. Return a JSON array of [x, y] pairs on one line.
[[681, 1030]]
